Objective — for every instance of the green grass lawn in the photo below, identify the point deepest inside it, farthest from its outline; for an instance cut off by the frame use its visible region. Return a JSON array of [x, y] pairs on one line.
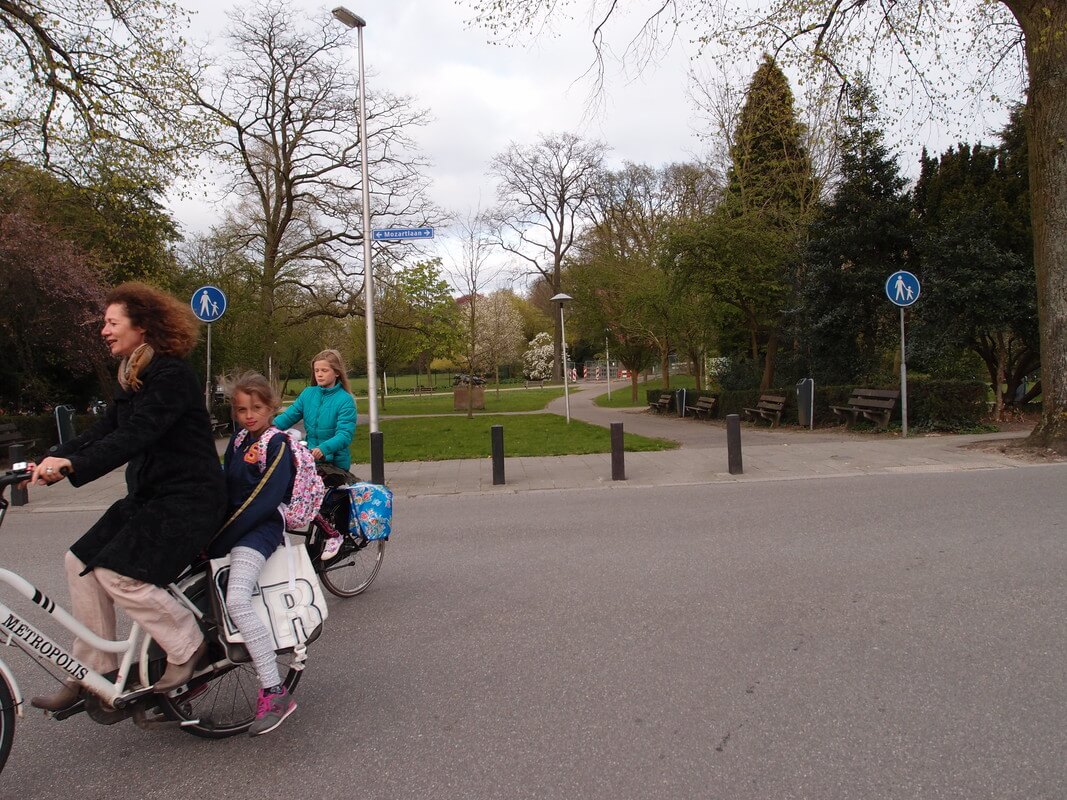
[[445, 438], [441, 403], [620, 393]]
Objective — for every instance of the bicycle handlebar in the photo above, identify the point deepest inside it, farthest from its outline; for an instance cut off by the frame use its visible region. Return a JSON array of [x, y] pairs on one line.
[[15, 476], [20, 473]]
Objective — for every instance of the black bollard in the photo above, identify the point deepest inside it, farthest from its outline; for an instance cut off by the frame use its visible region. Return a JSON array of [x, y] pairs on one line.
[[16, 453], [733, 443], [496, 435], [618, 466], [377, 459]]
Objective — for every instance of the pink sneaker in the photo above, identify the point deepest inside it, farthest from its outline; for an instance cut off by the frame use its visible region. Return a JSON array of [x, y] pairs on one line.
[[332, 547], [271, 711]]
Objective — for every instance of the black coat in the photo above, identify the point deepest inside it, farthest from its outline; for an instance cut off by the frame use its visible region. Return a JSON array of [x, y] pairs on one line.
[[177, 493]]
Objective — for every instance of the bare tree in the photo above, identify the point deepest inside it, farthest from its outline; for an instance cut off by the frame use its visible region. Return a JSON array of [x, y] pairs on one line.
[[544, 193], [286, 102], [471, 273]]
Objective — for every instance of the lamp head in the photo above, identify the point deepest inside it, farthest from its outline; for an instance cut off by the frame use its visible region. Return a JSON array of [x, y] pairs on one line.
[[560, 298], [346, 17]]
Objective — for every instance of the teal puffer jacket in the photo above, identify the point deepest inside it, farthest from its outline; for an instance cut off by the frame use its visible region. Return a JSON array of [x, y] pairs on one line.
[[329, 417]]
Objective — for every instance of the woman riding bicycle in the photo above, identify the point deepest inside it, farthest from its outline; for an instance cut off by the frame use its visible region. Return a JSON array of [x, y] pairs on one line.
[[159, 427]]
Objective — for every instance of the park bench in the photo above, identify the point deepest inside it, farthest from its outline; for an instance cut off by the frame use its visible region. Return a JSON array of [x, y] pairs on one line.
[[874, 404], [663, 404], [769, 407], [539, 384], [704, 407], [422, 390], [220, 427]]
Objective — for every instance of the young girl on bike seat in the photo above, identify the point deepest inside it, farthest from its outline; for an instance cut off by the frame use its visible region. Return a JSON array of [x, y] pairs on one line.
[[254, 531], [329, 415]]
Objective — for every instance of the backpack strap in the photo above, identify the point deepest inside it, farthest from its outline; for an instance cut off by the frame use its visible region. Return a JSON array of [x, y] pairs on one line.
[[262, 482]]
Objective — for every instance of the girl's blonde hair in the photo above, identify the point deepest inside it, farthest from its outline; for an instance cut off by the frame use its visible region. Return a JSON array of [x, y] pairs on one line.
[[252, 384], [337, 364]]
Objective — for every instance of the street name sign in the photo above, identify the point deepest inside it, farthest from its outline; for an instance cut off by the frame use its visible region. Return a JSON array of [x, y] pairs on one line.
[[401, 234]]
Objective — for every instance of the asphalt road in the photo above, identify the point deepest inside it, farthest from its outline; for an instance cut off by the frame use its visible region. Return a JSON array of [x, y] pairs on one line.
[[876, 637]]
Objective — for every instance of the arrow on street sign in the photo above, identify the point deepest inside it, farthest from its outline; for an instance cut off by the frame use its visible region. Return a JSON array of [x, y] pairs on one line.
[[400, 234]]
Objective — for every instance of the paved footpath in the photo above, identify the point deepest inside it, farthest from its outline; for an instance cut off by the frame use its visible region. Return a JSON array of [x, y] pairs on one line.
[[790, 454]]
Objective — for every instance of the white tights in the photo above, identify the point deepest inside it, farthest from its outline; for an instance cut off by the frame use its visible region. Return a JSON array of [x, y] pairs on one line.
[[245, 566]]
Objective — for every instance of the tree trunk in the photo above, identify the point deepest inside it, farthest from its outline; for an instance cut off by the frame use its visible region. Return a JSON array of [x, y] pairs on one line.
[[633, 386], [768, 364], [1043, 27], [1000, 378], [665, 365]]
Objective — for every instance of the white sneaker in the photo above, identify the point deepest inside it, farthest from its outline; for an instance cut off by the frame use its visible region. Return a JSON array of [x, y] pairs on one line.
[[331, 548]]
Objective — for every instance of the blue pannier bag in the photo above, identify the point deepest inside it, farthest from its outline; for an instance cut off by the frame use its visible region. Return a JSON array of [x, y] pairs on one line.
[[372, 511]]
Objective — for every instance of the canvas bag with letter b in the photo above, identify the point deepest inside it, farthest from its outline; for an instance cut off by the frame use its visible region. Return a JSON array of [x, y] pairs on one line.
[[289, 600]]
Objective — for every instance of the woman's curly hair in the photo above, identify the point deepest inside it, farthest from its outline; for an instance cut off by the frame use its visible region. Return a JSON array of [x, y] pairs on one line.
[[170, 326]]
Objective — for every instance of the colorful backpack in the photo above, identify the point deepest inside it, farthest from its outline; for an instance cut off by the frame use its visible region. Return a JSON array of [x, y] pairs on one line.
[[308, 488], [372, 511]]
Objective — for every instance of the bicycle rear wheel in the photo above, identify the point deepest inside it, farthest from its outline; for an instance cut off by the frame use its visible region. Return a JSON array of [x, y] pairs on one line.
[[353, 569], [219, 704], [7, 722]]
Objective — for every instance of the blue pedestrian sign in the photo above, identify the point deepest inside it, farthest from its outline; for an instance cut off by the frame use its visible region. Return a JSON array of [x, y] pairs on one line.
[[208, 303], [401, 234], [902, 288]]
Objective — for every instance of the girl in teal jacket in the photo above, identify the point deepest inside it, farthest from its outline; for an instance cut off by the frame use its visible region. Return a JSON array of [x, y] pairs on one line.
[[328, 411]]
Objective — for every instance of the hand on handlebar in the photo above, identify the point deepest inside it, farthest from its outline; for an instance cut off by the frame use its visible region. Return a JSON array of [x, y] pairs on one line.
[[51, 470]]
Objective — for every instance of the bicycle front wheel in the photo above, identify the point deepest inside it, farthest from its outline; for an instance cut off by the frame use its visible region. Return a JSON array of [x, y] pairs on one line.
[[353, 569], [7, 721]]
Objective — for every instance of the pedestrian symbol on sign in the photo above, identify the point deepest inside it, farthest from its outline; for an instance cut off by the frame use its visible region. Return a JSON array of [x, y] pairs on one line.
[[902, 288], [208, 303]]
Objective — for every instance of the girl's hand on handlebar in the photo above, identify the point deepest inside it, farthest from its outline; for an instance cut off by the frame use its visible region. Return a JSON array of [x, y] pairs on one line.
[[51, 470]]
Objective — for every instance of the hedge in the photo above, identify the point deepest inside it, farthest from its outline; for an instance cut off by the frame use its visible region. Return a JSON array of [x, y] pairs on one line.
[[42, 429]]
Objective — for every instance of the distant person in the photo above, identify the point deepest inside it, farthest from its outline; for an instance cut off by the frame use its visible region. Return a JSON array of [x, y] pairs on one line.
[[329, 415]]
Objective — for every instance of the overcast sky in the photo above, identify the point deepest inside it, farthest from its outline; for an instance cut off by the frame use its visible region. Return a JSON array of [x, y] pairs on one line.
[[484, 96]]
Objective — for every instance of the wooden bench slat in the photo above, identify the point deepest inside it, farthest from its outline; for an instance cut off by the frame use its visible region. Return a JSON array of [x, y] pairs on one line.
[[874, 404], [703, 406], [768, 407]]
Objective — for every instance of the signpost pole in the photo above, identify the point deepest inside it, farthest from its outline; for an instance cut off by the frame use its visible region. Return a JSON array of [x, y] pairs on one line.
[[207, 378], [903, 289], [903, 380]]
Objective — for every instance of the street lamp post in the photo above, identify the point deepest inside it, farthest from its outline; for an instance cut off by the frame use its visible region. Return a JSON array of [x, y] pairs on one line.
[[561, 299], [350, 20]]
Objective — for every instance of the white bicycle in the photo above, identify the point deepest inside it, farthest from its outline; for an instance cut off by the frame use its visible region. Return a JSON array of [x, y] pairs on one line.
[[218, 701]]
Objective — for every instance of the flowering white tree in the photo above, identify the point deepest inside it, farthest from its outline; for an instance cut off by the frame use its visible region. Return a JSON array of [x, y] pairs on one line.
[[537, 360], [499, 332]]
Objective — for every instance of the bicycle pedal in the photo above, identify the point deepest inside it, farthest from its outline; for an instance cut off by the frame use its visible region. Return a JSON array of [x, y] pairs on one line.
[[69, 711], [145, 722]]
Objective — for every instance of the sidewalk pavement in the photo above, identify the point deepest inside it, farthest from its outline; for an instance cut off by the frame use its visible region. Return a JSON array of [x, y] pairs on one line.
[[768, 455]]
